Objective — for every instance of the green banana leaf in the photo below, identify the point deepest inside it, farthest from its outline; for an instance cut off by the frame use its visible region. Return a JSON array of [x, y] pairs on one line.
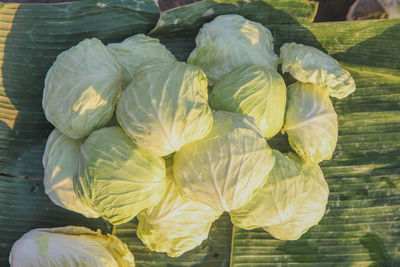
[[362, 223]]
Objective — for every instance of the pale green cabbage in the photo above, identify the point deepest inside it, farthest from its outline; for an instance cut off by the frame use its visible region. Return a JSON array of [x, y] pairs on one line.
[[82, 88], [69, 246], [230, 41], [165, 106], [117, 178], [60, 162], [136, 50], [310, 122], [310, 65], [310, 207], [225, 169], [275, 202], [175, 225], [256, 91]]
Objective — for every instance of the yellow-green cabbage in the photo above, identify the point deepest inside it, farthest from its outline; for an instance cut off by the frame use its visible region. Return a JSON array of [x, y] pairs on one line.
[[310, 122], [81, 89], [275, 202], [117, 178], [70, 246], [310, 65], [310, 206], [256, 91], [136, 50], [60, 162], [165, 106], [225, 169], [230, 41], [176, 224]]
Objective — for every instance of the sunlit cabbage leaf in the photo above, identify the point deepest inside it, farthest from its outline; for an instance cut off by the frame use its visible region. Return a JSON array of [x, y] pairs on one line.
[[136, 50], [275, 202], [175, 225], [310, 65], [310, 206], [117, 178], [60, 162], [226, 168], [82, 88], [310, 122], [230, 41], [256, 91], [70, 246], [165, 106]]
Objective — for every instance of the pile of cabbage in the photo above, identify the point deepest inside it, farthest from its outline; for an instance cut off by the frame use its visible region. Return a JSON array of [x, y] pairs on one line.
[[175, 144]]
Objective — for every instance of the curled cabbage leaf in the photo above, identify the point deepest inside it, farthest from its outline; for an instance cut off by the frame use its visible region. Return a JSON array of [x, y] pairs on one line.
[[175, 225], [117, 178], [275, 202], [135, 50], [70, 246], [81, 89], [165, 106], [310, 122], [225, 169], [60, 162], [310, 65], [310, 207], [230, 41], [256, 91]]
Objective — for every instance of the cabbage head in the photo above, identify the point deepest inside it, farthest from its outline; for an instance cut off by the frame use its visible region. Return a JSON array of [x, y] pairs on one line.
[[310, 65], [230, 41], [70, 246], [117, 178], [60, 162], [165, 106], [310, 122], [310, 206], [275, 202], [175, 225], [81, 89], [256, 91], [225, 169], [136, 50]]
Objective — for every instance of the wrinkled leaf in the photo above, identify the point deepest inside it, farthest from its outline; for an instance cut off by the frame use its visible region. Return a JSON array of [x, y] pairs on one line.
[[165, 106], [255, 91], [310, 122], [225, 169], [175, 225], [60, 162], [116, 177]]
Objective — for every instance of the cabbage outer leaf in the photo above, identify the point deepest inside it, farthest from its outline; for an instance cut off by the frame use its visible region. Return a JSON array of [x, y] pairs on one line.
[[176, 224], [310, 65], [60, 162], [165, 106], [311, 122], [275, 202], [82, 88], [310, 207], [136, 50], [117, 178], [225, 169], [230, 41], [70, 246], [256, 91]]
